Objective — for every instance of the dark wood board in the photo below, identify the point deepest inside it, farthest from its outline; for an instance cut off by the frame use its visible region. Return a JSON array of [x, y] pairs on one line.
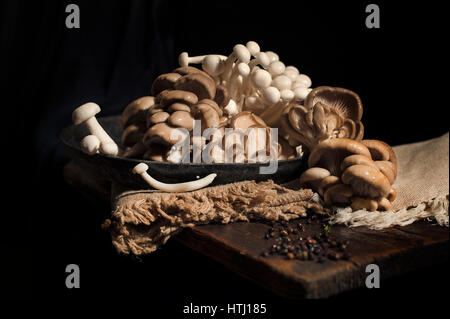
[[396, 251], [238, 246]]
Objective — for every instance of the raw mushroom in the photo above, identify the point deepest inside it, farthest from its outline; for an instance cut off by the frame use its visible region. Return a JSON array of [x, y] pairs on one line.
[[327, 113], [133, 120], [86, 114], [90, 144], [142, 168], [331, 153], [352, 168]]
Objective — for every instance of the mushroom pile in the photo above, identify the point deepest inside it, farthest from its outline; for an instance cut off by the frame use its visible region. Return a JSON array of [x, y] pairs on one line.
[[247, 90], [154, 125], [349, 172]]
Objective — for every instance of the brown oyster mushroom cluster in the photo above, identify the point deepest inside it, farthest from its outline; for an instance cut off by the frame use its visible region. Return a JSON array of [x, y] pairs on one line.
[[153, 124], [357, 173], [328, 112]]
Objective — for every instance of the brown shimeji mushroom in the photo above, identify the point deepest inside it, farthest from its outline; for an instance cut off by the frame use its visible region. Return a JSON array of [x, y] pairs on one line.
[[152, 129], [328, 112], [356, 173]]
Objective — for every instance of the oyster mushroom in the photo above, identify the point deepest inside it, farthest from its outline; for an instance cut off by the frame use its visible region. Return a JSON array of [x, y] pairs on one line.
[[366, 181], [327, 113], [338, 194], [382, 152], [330, 154], [312, 177], [349, 162]]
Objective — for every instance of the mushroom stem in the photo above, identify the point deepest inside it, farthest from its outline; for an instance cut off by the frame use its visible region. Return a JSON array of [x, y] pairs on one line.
[[86, 114], [96, 129], [142, 168]]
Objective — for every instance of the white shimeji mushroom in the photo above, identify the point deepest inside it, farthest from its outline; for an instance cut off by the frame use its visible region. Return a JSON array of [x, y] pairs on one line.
[[142, 168], [86, 114]]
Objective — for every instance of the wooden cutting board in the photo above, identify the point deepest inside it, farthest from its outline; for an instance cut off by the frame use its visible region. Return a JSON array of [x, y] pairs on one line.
[[396, 251], [238, 246]]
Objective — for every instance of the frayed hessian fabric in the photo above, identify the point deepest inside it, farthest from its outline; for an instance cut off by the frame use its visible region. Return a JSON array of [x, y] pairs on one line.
[[144, 220], [422, 189]]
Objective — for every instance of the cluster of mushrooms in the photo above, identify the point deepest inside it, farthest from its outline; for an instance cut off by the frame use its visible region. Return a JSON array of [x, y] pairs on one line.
[[248, 89]]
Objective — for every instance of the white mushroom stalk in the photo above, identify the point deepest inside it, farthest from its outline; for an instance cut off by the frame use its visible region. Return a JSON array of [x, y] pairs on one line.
[[86, 114], [256, 80], [142, 168]]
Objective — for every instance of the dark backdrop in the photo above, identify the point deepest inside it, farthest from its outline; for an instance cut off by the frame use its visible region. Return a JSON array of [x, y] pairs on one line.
[[48, 70]]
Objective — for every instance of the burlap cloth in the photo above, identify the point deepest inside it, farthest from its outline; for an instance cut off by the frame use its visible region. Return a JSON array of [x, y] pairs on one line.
[[143, 220], [422, 188]]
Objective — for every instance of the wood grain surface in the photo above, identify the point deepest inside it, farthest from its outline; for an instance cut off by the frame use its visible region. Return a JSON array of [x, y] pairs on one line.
[[238, 246]]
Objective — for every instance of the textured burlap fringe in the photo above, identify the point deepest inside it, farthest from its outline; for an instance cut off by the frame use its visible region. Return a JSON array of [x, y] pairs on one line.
[[143, 221], [433, 210]]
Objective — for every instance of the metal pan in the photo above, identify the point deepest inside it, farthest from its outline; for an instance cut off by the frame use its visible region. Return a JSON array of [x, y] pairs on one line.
[[119, 169]]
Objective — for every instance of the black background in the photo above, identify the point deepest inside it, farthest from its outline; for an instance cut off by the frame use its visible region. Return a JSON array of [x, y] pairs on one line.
[[48, 70]]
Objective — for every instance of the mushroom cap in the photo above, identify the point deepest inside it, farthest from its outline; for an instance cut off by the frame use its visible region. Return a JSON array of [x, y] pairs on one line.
[[154, 109], [140, 168], [313, 176], [136, 110], [214, 105], [338, 194], [132, 134], [168, 97], [164, 82], [213, 65], [356, 160], [85, 112], [366, 181], [158, 117], [90, 144], [345, 102], [327, 182], [184, 70], [207, 114], [392, 194], [178, 107], [246, 119], [330, 154], [181, 119], [364, 203], [163, 133], [381, 151], [387, 168], [200, 84], [384, 204], [222, 97]]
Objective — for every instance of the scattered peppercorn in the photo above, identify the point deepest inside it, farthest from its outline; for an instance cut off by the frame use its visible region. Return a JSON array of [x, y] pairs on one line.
[[307, 239]]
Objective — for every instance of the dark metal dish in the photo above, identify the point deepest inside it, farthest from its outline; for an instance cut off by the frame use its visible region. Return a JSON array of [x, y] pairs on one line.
[[119, 169]]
